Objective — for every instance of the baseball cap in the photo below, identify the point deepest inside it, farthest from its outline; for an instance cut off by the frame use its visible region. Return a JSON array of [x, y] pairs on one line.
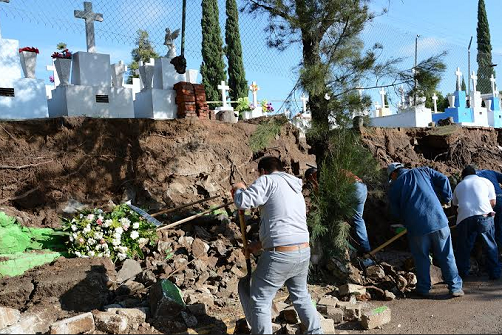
[[393, 167]]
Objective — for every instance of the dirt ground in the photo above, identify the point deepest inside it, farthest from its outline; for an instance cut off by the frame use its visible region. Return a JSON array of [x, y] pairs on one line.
[[478, 312]]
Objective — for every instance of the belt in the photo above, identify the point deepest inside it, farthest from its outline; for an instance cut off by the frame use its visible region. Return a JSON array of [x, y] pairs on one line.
[[288, 248]]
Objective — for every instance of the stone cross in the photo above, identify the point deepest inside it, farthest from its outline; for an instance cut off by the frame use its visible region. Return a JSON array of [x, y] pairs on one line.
[[304, 100], [377, 105], [459, 79], [7, 1], [118, 71], [89, 16], [382, 95], [474, 82], [52, 69], [435, 99], [254, 88], [494, 91], [224, 88]]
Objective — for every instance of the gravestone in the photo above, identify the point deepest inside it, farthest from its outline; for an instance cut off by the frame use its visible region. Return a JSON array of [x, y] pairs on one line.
[[91, 92], [157, 99], [21, 97], [226, 112]]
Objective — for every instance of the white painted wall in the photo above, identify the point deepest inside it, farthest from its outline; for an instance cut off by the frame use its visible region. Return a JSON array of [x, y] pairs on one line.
[[409, 118]]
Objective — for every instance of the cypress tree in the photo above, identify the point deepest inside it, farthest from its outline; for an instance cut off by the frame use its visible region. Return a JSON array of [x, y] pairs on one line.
[[236, 74], [485, 70], [213, 66], [463, 87]]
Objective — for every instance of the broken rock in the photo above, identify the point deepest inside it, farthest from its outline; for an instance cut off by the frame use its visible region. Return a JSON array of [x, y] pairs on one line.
[[290, 315], [165, 300], [135, 316], [436, 275], [328, 326], [376, 317], [111, 322], [335, 314], [352, 313], [352, 289], [375, 272], [190, 320], [8, 317], [129, 270], [389, 296], [79, 324], [197, 309], [199, 248]]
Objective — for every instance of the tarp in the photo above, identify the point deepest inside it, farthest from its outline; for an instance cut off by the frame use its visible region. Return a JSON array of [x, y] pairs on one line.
[[23, 248]]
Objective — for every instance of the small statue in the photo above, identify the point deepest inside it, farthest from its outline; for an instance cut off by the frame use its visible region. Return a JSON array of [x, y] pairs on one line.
[[169, 42]]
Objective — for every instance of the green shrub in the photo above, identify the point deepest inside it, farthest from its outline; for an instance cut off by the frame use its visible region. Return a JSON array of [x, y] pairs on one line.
[[265, 133], [333, 204]]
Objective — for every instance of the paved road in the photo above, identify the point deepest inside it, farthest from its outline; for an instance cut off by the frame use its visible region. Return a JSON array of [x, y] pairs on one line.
[[478, 312]]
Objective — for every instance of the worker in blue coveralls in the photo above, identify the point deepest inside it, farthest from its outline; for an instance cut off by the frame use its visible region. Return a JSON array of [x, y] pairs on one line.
[[413, 196], [496, 180]]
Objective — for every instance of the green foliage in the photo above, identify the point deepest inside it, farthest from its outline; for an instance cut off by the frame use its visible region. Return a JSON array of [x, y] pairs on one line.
[[266, 131], [61, 46], [236, 74], [485, 70], [442, 102], [243, 105], [463, 87], [143, 52], [333, 205], [213, 67], [118, 235]]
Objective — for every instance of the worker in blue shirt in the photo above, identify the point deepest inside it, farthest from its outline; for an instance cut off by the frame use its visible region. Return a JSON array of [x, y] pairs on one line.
[[413, 197], [496, 180]]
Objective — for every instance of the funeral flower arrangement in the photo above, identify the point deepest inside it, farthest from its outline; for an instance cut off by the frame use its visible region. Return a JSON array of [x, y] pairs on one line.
[[243, 105], [29, 49], [119, 235], [267, 106], [63, 54]]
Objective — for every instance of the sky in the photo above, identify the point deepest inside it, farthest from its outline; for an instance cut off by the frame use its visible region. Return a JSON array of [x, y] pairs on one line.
[[441, 24]]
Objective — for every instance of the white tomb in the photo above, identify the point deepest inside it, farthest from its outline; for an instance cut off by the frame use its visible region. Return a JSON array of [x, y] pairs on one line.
[[382, 110], [157, 99], [21, 97], [257, 110], [91, 92], [411, 117]]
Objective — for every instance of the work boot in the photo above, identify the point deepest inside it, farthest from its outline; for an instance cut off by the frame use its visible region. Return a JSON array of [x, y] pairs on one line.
[[457, 294], [418, 294]]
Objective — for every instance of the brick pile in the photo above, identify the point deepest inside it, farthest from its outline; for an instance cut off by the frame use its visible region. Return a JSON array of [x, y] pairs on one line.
[[191, 101]]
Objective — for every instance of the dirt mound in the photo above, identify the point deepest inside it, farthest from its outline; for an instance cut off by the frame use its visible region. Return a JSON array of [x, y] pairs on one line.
[[446, 149], [76, 285], [46, 163]]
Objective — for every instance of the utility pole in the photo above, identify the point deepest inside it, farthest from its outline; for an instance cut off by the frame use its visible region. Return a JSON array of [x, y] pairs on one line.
[[469, 66], [415, 71]]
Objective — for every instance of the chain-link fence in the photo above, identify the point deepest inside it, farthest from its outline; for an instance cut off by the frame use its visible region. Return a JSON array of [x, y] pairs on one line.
[[123, 18]]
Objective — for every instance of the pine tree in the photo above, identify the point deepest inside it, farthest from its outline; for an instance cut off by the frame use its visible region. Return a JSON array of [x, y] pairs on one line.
[[143, 52], [485, 70], [213, 67], [463, 87], [236, 74]]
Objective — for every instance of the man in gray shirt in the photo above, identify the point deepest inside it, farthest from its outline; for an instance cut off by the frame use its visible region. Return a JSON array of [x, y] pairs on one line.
[[284, 237]]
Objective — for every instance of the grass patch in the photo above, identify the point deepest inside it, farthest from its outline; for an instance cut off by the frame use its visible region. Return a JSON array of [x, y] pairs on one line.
[[265, 133]]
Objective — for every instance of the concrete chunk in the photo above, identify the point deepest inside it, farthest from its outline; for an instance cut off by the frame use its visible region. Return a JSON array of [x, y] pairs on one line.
[[352, 313], [129, 270], [328, 326], [328, 300], [376, 317], [79, 324], [8, 316]]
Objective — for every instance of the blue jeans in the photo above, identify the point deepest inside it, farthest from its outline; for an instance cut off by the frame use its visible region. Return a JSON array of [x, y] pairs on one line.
[[359, 224], [275, 269], [498, 221], [440, 243], [467, 231]]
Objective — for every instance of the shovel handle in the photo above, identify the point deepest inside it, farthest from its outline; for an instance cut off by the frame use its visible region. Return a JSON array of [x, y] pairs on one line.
[[242, 222], [372, 253]]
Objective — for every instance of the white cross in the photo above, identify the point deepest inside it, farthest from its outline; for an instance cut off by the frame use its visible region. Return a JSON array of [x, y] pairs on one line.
[[7, 1], [52, 68], [254, 88], [382, 95], [474, 81], [89, 16], [493, 81], [224, 88], [459, 77], [304, 100], [435, 99]]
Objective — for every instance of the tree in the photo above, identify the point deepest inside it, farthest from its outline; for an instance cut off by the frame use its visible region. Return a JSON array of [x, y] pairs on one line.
[[213, 67], [236, 74], [485, 69], [463, 86], [143, 52]]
